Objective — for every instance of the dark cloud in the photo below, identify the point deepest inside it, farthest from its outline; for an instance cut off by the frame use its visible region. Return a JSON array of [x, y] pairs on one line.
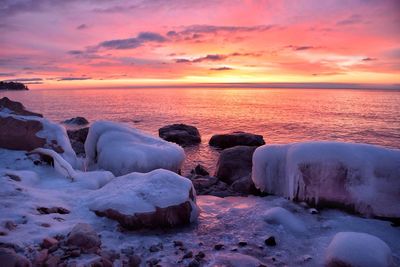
[[73, 78], [82, 27], [353, 19], [75, 52], [193, 29], [300, 48], [135, 42], [6, 74], [115, 9], [215, 57], [369, 59], [221, 68], [182, 60], [24, 80]]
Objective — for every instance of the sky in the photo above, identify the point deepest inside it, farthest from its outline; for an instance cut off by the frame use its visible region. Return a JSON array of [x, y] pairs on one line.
[[116, 43]]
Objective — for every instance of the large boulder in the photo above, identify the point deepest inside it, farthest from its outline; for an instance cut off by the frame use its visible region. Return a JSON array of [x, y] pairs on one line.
[[27, 132], [157, 199], [182, 134], [234, 163], [120, 149], [236, 139], [358, 249], [16, 108], [360, 177]]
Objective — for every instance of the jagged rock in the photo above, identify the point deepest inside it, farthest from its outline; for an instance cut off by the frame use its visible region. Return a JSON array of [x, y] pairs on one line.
[[15, 108], [77, 139], [236, 139], [199, 170]]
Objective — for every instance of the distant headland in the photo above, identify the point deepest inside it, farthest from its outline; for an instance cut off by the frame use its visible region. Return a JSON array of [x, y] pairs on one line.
[[13, 86]]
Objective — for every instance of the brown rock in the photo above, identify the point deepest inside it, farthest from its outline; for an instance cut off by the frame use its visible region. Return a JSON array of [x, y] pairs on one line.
[[8, 258], [52, 261], [48, 242], [16, 107], [236, 139], [84, 237], [41, 257]]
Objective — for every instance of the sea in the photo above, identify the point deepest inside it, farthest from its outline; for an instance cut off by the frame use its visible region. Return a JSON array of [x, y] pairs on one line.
[[280, 115]]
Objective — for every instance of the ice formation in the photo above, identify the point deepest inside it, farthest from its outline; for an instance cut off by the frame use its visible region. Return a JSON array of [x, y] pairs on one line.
[[121, 150], [365, 178], [288, 220], [358, 249], [19, 132]]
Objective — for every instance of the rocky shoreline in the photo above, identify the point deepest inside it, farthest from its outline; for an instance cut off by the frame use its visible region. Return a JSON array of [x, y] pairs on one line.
[[107, 214]]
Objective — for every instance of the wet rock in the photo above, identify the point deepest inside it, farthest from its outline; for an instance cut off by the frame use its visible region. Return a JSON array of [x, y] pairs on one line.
[[199, 256], [84, 237], [48, 242], [194, 263], [245, 186], [59, 210], [52, 261], [10, 225], [8, 258], [235, 163], [156, 248], [182, 134], [242, 243], [199, 170], [178, 243], [77, 139], [76, 121], [218, 246], [270, 241], [16, 108], [188, 255], [153, 262], [134, 261], [41, 257], [236, 139]]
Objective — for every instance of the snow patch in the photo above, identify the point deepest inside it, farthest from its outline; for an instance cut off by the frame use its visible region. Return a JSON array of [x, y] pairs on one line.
[[285, 218]]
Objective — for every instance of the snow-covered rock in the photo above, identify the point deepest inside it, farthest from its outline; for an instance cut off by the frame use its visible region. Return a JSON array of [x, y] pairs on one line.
[[285, 218], [121, 150], [18, 132], [358, 250], [362, 177], [159, 198]]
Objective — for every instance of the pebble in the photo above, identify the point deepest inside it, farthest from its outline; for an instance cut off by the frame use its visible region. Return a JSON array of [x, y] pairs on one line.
[[270, 241], [218, 246]]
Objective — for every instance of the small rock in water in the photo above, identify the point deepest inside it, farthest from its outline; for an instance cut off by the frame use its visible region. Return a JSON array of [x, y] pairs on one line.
[[313, 211], [199, 170], [270, 241], [59, 210]]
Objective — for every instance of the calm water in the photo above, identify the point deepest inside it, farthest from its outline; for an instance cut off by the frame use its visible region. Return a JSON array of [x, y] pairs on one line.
[[280, 115]]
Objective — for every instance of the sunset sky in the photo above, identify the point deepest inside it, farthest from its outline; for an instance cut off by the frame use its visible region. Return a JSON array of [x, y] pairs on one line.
[[114, 43]]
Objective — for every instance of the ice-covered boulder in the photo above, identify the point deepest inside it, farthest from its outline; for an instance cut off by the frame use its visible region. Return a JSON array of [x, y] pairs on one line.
[[288, 220], [182, 134], [156, 199], [364, 178], [18, 132], [120, 149], [358, 250], [236, 139]]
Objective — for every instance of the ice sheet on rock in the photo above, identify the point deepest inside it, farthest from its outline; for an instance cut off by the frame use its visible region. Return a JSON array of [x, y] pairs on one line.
[[363, 177], [143, 192], [121, 150], [88, 180], [358, 249], [54, 134], [288, 220]]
